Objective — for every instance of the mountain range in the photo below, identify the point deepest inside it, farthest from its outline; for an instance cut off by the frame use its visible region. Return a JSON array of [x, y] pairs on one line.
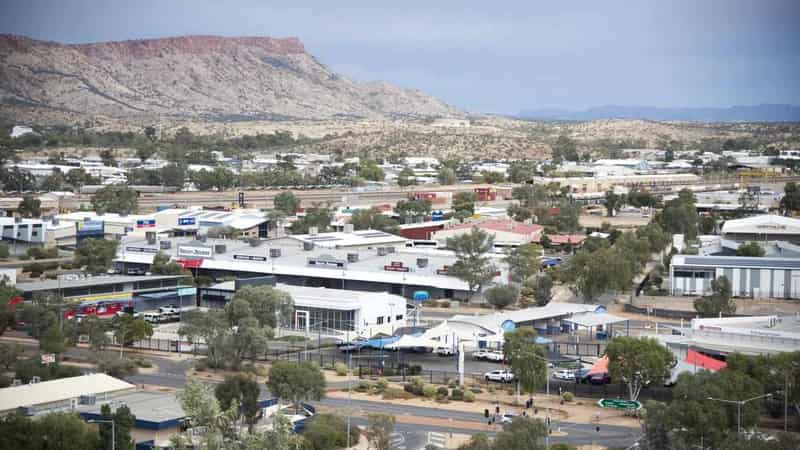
[[211, 78], [754, 113]]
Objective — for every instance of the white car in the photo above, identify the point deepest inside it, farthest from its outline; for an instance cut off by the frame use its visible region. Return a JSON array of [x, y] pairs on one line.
[[501, 375], [480, 354], [508, 417], [494, 356], [445, 351], [564, 375]]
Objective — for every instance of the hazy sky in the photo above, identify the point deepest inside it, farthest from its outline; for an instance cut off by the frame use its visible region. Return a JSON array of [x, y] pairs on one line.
[[491, 56]]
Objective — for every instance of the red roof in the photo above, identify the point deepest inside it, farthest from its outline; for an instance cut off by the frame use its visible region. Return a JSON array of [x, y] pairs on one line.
[[504, 225], [700, 360]]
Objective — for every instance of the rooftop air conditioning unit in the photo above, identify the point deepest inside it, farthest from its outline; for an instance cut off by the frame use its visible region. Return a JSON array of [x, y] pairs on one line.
[[219, 248], [274, 253], [201, 237], [308, 246], [349, 228], [422, 262], [166, 245], [352, 257], [312, 230]]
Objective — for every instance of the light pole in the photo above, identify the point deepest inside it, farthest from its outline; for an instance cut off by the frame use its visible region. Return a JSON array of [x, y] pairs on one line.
[[113, 426], [739, 404]]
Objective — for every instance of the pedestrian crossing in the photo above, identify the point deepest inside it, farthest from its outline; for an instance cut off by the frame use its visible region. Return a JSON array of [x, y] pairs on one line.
[[397, 441], [438, 440]]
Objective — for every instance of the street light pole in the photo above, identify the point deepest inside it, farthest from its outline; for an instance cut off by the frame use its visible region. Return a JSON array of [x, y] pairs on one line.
[[739, 404], [113, 426]]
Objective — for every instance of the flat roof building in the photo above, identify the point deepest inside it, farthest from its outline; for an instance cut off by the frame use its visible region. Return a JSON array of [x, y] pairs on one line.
[[64, 394], [749, 276]]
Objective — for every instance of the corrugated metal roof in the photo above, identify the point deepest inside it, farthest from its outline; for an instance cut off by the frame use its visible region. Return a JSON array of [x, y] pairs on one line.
[[91, 281], [740, 261], [52, 391]]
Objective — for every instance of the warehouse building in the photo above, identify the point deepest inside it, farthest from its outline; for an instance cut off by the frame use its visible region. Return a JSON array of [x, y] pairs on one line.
[[64, 394], [317, 308], [768, 227], [749, 276]]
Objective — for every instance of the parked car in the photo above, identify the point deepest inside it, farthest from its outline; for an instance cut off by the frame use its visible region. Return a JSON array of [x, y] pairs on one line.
[[501, 375], [508, 417], [581, 375], [169, 309], [564, 374], [445, 351], [480, 354], [494, 356], [599, 378]]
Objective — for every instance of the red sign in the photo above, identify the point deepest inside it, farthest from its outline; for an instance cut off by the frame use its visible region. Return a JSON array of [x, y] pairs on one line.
[[397, 263], [190, 263], [443, 271], [15, 301], [395, 268]]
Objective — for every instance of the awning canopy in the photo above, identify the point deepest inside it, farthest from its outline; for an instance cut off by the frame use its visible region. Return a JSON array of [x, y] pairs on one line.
[[695, 358], [600, 366], [593, 319]]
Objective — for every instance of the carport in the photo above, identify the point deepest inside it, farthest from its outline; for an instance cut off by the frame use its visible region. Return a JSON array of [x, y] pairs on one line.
[[598, 325]]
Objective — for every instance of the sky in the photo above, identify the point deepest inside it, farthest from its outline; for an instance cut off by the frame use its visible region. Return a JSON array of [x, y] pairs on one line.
[[498, 56]]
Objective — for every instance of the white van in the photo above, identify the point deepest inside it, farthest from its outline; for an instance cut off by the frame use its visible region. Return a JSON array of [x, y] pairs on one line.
[[152, 317]]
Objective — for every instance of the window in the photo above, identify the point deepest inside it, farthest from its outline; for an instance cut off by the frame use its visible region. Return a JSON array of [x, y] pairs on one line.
[[388, 319], [380, 320], [399, 317]]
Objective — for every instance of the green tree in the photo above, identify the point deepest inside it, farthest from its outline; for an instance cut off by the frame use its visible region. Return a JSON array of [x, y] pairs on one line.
[[565, 149], [409, 210], [267, 304], [30, 206], [707, 225], [613, 202], [219, 179], [57, 430], [203, 410], [124, 422], [173, 175], [750, 249], [373, 219], [528, 361], [446, 176], [679, 215], [210, 327], [523, 261], [472, 265], [326, 431], [719, 302], [108, 158], [567, 219], [9, 354], [638, 361], [379, 430], [492, 177], [4, 251], [296, 381], [53, 341], [7, 312], [95, 255], [369, 170], [655, 236], [406, 177], [116, 199], [464, 204], [163, 265], [79, 178], [522, 432], [501, 296], [479, 441], [521, 171], [242, 390], [790, 203], [318, 215], [128, 330], [539, 287], [287, 203]]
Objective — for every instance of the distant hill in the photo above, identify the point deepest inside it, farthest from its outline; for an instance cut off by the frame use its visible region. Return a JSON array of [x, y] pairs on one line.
[[755, 113], [209, 78]]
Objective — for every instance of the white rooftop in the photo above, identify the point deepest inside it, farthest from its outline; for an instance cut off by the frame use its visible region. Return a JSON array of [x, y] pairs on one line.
[[763, 224], [62, 389], [356, 238]]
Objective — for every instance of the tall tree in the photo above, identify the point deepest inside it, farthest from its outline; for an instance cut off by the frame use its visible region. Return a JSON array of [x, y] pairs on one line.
[[540, 287], [128, 329], [287, 203], [406, 177], [472, 265], [373, 219], [243, 390], [409, 210], [565, 149], [790, 203], [318, 215], [270, 306], [163, 265], [613, 202], [296, 381], [719, 302], [522, 432], [464, 204], [30, 206], [379, 431], [446, 176], [95, 255], [638, 361], [116, 199], [679, 215], [523, 261], [124, 422], [501, 296], [53, 341], [528, 361]]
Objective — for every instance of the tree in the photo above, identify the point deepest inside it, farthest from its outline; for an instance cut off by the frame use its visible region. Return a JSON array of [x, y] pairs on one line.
[[53, 341], [406, 177], [565, 149], [318, 215], [30, 206], [163, 265], [268, 305], [521, 171], [242, 390], [379, 431], [523, 261], [124, 421], [750, 249], [107, 156], [501, 296], [613, 202], [56, 430], [7, 311], [446, 176], [540, 288], [472, 265], [373, 219], [210, 327], [116, 199], [654, 235], [369, 170], [326, 431], [638, 361], [522, 432], [9, 354], [790, 203], [707, 225], [95, 255], [79, 178], [567, 219], [528, 361], [492, 177], [219, 179], [128, 330], [774, 373], [479, 441], [720, 302], [173, 175], [296, 381], [590, 274], [203, 410], [409, 210], [287, 203], [679, 215], [464, 204]]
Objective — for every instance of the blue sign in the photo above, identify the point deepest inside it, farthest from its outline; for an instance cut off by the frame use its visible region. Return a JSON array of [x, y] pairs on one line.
[[186, 221], [508, 325], [437, 216], [89, 228], [420, 296], [146, 223]]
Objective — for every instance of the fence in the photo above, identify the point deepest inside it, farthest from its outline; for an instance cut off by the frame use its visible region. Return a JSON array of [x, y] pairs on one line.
[[578, 349]]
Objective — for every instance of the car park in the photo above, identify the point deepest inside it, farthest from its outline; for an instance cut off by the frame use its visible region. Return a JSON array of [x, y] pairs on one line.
[[564, 374], [500, 375]]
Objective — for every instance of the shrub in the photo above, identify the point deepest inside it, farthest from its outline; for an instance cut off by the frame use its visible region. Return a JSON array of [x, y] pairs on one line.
[[141, 362], [476, 390], [363, 386], [429, 390], [117, 367], [457, 394], [5, 381], [442, 390], [340, 368], [441, 398], [567, 396], [381, 384], [395, 393], [327, 431], [408, 387], [200, 365], [444, 304], [51, 275], [469, 396]]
